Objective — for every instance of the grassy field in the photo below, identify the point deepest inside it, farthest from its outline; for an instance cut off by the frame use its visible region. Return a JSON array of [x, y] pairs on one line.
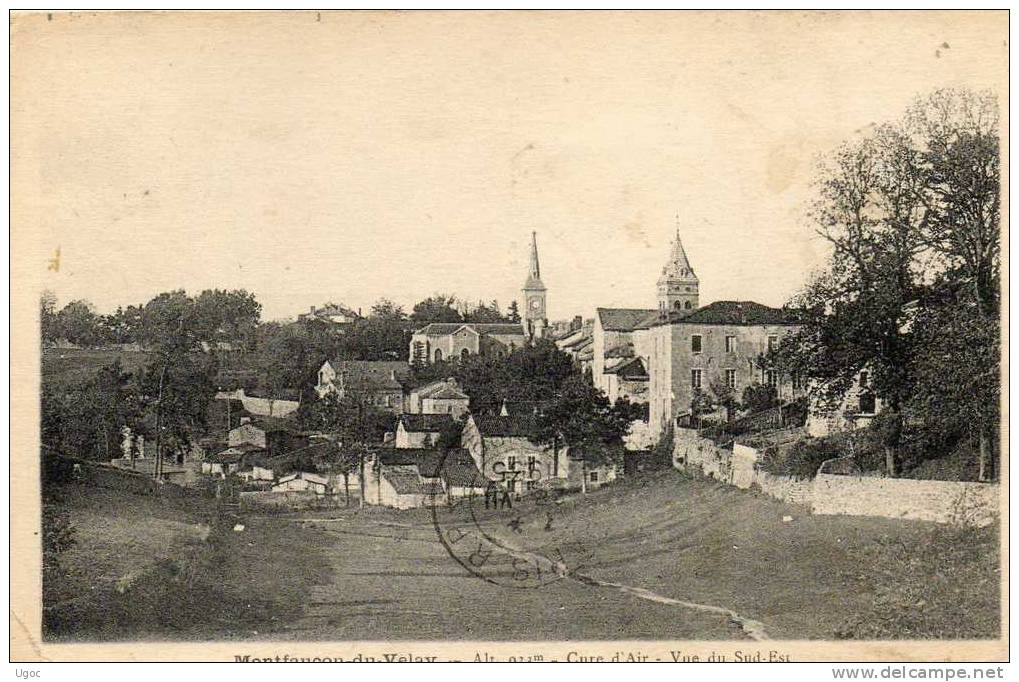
[[70, 366], [382, 574], [164, 568]]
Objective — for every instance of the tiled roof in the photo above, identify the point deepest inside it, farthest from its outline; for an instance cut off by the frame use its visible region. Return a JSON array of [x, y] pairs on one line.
[[371, 374], [498, 328], [404, 479], [443, 388], [621, 351], [426, 423], [632, 368], [622, 319], [737, 313], [455, 466], [235, 453], [519, 426]]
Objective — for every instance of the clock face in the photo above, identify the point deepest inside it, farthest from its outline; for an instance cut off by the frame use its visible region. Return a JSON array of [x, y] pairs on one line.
[[535, 304]]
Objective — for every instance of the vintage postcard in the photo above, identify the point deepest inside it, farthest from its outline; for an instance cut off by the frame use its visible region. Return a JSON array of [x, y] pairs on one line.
[[499, 335]]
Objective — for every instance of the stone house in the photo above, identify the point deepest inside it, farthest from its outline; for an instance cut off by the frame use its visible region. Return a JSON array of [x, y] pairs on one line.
[[275, 436], [612, 336], [421, 430], [380, 381], [438, 397], [302, 481], [331, 313], [415, 477], [440, 341], [858, 408], [715, 347], [504, 450], [231, 460]]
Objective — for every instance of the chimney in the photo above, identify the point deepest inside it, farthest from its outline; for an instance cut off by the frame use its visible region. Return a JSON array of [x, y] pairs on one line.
[[312, 310], [578, 322]]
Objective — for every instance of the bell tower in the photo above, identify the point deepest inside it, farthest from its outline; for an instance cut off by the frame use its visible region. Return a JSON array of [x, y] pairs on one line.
[[535, 316], [678, 286]]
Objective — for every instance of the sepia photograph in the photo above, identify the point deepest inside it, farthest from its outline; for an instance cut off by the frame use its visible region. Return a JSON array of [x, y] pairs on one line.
[[416, 336]]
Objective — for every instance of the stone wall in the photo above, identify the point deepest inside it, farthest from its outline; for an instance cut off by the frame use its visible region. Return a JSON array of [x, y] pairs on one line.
[[290, 499], [940, 501], [897, 498]]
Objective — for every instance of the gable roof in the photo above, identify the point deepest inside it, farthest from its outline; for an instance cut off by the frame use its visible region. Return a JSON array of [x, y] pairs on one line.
[[442, 388], [371, 375], [482, 328], [512, 426], [737, 313], [632, 368], [404, 479], [426, 423], [454, 467], [623, 350], [622, 319]]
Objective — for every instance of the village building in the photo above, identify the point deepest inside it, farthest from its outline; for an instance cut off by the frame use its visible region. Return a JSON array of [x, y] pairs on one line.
[[612, 346], [302, 481], [857, 409], [440, 341], [716, 349], [421, 430], [504, 450], [330, 313], [438, 397], [274, 436], [378, 381], [418, 477], [230, 460], [576, 342]]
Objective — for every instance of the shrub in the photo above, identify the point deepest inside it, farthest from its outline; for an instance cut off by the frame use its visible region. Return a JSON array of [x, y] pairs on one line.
[[803, 458]]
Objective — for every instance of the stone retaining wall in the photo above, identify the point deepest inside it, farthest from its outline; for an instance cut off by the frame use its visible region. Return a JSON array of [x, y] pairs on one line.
[[898, 498]]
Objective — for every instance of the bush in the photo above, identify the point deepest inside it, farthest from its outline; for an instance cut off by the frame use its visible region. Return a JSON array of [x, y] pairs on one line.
[[803, 458]]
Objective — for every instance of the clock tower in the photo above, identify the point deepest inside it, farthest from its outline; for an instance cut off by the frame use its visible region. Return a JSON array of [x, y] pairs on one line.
[[535, 317]]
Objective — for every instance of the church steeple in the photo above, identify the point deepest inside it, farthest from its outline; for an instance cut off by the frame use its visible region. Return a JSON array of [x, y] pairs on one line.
[[535, 319], [678, 286]]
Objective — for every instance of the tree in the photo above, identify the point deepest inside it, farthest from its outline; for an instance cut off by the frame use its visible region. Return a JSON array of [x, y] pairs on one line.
[[910, 211], [221, 315], [581, 417], [513, 312], [78, 323], [437, 308], [482, 312], [48, 316], [355, 420]]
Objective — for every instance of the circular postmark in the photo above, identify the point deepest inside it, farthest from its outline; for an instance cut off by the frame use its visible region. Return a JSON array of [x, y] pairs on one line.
[[510, 531]]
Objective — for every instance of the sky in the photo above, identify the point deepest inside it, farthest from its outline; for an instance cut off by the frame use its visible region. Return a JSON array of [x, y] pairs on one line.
[[312, 157]]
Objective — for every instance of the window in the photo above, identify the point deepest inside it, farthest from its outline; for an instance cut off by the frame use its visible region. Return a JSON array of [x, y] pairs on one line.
[[771, 377], [594, 477], [695, 343], [464, 354], [695, 378], [730, 378], [730, 344], [688, 305], [797, 382], [868, 405], [772, 342], [677, 305], [438, 355], [864, 379]]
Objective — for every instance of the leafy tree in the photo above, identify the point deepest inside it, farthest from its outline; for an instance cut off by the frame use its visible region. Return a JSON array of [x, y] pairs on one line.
[[513, 312], [581, 417], [437, 308], [911, 213], [221, 315], [48, 316], [759, 397], [78, 323], [482, 312]]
